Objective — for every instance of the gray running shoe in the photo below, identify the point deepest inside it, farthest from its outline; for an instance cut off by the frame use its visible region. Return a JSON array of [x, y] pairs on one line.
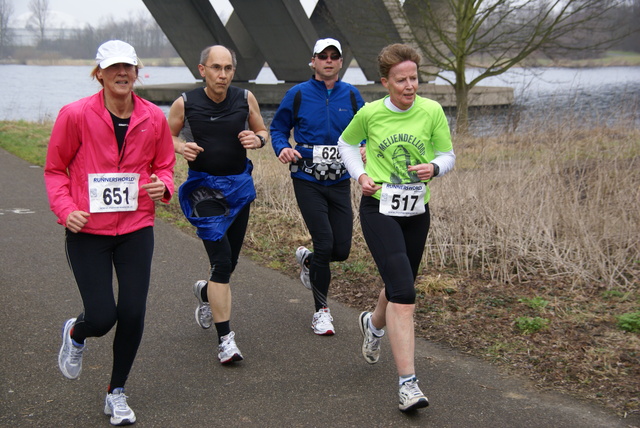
[[70, 356], [302, 254], [228, 351], [115, 405], [411, 398], [370, 342], [203, 311]]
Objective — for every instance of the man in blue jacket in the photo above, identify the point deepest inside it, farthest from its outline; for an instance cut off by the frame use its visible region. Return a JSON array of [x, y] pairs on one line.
[[318, 110]]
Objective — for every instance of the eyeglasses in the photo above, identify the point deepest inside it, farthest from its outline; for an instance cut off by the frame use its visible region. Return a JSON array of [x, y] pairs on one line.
[[218, 68], [323, 56]]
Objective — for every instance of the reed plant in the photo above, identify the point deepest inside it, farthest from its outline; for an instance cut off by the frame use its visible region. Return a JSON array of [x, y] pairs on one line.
[[565, 203]]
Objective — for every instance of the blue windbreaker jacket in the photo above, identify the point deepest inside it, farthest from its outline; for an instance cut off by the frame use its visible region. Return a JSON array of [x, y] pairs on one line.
[[321, 118]]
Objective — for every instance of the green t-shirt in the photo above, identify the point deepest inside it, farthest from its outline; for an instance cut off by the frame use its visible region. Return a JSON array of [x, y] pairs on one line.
[[396, 140]]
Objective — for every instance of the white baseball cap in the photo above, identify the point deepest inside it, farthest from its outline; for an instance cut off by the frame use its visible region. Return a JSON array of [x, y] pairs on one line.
[[116, 52], [322, 44]]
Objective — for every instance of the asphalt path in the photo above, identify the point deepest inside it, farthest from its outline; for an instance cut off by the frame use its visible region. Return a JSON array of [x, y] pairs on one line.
[[289, 378]]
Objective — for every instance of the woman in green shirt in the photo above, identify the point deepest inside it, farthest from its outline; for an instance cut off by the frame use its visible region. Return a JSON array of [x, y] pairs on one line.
[[408, 143]]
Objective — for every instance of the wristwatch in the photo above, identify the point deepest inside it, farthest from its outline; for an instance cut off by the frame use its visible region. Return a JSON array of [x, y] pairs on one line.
[[262, 140], [436, 169]]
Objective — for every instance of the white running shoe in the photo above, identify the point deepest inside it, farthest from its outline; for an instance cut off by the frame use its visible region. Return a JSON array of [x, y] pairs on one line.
[[370, 342], [322, 323], [203, 311], [411, 398], [70, 356], [115, 405], [302, 254], [228, 350]]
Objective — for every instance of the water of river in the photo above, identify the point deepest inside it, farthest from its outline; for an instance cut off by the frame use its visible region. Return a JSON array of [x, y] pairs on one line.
[[546, 95]]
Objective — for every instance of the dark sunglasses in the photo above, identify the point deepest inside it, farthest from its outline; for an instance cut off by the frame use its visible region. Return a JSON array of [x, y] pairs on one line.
[[323, 56]]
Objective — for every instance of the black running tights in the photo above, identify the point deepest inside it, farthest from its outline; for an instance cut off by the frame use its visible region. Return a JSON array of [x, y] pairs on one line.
[[93, 259], [328, 215]]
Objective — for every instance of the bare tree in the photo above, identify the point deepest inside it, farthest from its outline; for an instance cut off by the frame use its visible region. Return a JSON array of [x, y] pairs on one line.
[[142, 31], [40, 13], [454, 35], [6, 11]]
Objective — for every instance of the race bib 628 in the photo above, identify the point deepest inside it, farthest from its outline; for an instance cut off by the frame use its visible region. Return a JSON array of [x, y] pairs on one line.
[[326, 154]]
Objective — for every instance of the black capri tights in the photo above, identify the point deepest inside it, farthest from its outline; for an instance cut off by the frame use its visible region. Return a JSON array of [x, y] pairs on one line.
[[397, 245], [224, 253]]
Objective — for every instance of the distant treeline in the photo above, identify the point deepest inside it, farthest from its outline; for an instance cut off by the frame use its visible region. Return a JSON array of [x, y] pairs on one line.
[[142, 32]]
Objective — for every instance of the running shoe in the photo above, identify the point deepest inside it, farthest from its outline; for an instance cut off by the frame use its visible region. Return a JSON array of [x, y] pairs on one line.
[[115, 405], [70, 356], [302, 254], [370, 342], [203, 311], [228, 350], [322, 323], [411, 398]]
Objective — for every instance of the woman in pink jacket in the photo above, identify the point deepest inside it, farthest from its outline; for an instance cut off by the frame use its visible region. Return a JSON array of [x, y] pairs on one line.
[[110, 158]]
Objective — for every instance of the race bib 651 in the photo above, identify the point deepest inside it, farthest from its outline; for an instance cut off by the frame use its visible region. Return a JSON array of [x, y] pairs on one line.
[[112, 192]]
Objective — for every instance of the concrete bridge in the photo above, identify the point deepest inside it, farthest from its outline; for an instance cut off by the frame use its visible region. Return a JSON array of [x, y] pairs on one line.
[[279, 33]]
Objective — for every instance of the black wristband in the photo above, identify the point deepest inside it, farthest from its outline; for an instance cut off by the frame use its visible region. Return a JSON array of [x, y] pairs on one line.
[[262, 140], [436, 169]]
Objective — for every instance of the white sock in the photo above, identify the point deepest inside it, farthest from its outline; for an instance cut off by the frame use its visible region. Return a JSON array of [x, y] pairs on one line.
[[403, 379], [374, 330]]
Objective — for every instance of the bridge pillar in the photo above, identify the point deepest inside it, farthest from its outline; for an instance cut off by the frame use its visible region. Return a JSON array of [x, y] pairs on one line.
[[279, 33], [192, 25]]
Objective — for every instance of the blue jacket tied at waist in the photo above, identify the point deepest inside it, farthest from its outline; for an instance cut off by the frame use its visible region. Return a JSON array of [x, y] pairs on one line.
[[238, 191]]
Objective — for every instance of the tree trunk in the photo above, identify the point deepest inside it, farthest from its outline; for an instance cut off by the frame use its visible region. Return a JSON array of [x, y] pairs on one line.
[[462, 105]]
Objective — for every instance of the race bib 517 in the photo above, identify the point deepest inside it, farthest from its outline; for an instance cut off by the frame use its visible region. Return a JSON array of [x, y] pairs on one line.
[[402, 200]]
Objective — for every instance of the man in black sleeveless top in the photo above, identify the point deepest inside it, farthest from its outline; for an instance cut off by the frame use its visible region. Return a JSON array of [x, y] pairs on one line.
[[219, 123]]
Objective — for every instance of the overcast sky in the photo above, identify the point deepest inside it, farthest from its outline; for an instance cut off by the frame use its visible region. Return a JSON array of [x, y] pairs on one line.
[[93, 12], [90, 12]]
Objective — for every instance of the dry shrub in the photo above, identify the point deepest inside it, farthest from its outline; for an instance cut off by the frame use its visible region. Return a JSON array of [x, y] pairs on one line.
[[561, 203]]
